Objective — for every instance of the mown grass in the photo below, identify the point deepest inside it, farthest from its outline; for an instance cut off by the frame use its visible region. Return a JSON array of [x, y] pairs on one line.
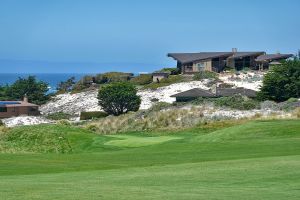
[[255, 160]]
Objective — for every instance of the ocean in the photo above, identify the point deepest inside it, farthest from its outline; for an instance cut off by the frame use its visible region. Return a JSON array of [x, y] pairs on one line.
[[51, 79]]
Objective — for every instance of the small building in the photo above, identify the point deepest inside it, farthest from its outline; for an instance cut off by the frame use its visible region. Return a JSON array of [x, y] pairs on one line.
[[192, 94], [219, 92], [226, 92], [158, 76], [17, 108], [190, 63], [271, 59]]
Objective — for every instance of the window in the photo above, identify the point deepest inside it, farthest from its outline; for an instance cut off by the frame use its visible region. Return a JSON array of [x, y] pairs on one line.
[[3, 109], [32, 109], [201, 65]]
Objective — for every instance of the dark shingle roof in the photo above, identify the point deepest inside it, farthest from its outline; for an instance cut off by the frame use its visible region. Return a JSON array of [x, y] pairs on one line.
[[191, 57], [245, 54], [225, 92], [221, 92], [270, 57], [196, 92]]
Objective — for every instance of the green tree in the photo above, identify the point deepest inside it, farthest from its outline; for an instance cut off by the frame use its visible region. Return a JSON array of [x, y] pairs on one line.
[[3, 93], [66, 86], [282, 82], [34, 89], [118, 98]]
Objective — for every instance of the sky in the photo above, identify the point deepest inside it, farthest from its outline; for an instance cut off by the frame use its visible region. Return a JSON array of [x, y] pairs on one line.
[[90, 36]]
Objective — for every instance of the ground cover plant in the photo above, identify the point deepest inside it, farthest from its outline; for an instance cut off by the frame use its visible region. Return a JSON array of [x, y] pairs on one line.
[[223, 160], [58, 116]]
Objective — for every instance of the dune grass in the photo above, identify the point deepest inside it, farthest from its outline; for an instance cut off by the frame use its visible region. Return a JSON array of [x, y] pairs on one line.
[[255, 160]]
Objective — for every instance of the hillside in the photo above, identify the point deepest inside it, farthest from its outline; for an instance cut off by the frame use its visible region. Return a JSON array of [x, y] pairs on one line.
[[257, 160]]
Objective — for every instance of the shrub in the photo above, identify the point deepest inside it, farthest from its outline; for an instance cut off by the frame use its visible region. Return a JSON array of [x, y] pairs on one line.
[[92, 115], [58, 116], [84, 83], [205, 75], [118, 98], [66, 86], [92, 127], [282, 82], [292, 100], [165, 82], [160, 106], [101, 78], [1, 123], [117, 76], [64, 122], [154, 100], [269, 105], [142, 79], [172, 71], [236, 102]]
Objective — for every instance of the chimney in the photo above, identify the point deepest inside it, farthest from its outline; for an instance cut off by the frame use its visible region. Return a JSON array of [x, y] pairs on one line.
[[25, 99], [234, 50]]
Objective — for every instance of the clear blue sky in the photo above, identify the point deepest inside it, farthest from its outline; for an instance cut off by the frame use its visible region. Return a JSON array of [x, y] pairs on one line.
[[135, 35]]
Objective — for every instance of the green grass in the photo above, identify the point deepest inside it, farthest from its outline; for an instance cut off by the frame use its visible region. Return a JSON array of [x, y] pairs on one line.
[[254, 160], [135, 141]]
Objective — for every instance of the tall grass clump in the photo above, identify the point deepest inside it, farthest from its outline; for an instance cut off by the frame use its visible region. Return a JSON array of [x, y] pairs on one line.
[[148, 120], [205, 75]]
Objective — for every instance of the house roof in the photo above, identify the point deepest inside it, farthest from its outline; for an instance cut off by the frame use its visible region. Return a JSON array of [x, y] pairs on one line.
[[245, 54], [192, 57], [16, 104], [196, 92], [221, 92], [271, 57], [225, 92]]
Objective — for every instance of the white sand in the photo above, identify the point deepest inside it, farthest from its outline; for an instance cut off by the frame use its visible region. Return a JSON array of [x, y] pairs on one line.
[[250, 80], [25, 120]]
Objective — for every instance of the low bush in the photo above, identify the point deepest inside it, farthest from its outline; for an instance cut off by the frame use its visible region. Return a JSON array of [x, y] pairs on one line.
[[205, 75], [58, 116], [63, 122], [289, 105], [142, 79], [172, 71], [165, 82], [117, 76], [92, 115], [1, 123], [160, 106], [236, 102], [292, 100], [269, 105]]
